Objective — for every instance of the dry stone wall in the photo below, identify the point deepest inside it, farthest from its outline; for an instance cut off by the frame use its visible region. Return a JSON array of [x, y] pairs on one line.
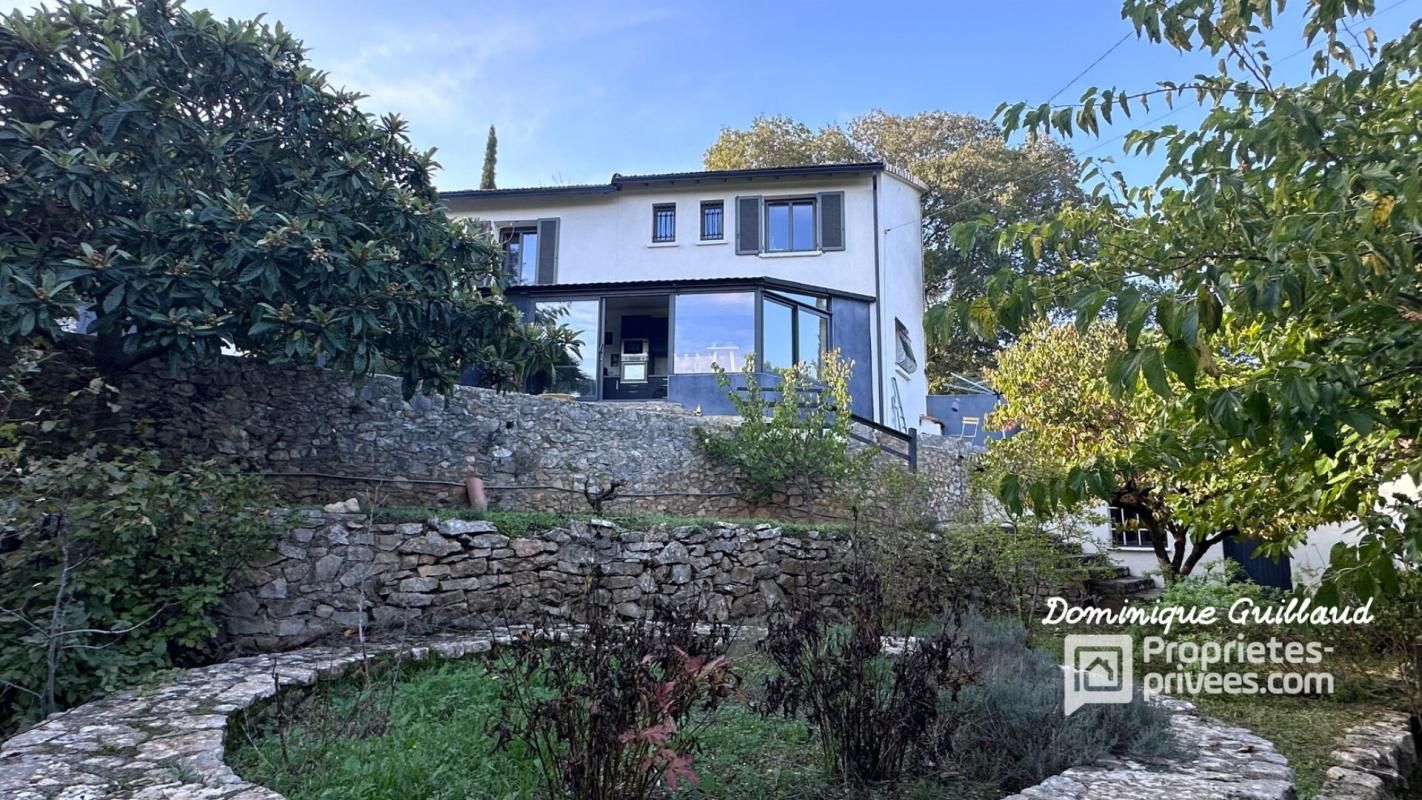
[[1375, 761], [339, 572], [320, 436]]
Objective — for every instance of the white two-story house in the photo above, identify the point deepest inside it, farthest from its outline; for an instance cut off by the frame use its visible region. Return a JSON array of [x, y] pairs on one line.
[[666, 275]]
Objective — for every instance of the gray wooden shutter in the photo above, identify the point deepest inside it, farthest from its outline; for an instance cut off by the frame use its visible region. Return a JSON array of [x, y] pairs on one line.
[[747, 225], [831, 220], [547, 251]]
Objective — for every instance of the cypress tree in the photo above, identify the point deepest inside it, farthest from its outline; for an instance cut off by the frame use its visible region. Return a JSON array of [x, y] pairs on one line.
[[491, 157]]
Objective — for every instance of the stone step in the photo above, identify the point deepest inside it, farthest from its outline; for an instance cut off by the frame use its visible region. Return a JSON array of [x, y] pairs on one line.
[[1102, 562], [1123, 586]]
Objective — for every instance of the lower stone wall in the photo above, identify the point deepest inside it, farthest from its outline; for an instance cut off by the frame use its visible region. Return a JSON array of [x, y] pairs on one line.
[[340, 572]]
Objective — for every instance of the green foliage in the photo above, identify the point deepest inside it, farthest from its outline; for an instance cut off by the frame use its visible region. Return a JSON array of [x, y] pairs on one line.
[[1083, 439], [871, 707], [1007, 729], [196, 184], [1219, 587], [491, 160], [112, 568], [970, 172], [1011, 571], [619, 712], [792, 437], [1276, 256]]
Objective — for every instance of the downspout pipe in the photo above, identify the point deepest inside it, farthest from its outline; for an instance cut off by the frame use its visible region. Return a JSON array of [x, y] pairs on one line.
[[881, 410]]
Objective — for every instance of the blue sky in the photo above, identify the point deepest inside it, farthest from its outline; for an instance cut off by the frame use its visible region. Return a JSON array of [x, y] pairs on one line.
[[581, 90]]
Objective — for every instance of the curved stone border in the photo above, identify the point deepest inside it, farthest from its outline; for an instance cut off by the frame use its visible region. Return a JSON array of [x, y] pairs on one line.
[[167, 743], [1227, 763], [1374, 761]]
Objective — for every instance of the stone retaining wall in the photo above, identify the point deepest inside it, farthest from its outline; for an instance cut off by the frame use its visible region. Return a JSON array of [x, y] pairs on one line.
[[1376, 761], [320, 436], [1218, 761], [167, 742], [338, 572]]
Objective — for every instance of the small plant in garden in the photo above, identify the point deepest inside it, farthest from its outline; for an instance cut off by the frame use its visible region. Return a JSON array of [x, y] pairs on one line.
[[1013, 570], [1219, 586], [617, 711], [112, 567], [1008, 729], [794, 435], [871, 701]]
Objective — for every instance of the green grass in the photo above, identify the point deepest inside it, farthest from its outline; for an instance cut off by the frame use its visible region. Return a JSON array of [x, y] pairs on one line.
[[438, 746], [523, 523], [1304, 729]]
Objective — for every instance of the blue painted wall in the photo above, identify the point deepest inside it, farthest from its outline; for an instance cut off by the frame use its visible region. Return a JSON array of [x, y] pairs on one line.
[[952, 408], [703, 390], [850, 330]]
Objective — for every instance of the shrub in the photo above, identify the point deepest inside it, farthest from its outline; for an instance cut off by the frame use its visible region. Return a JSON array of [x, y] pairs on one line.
[[870, 708], [1008, 729], [619, 710], [1014, 570], [1219, 586], [111, 567], [797, 442]]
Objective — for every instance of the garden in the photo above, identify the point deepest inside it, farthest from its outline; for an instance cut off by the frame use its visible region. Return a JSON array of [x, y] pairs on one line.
[[1229, 355]]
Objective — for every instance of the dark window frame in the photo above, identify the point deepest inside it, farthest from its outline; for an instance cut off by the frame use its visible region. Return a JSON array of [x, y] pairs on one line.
[[1128, 534], [660, 236], [813, 201], [719, 206], [507, 235], [798, 309], [904, 357]]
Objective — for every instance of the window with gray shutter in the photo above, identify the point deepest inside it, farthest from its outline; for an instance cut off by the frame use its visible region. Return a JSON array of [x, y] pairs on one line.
[[548, 251], [832, 220], [747, 225]]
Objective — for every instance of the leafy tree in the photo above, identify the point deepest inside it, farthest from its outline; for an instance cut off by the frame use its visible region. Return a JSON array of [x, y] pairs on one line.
[[970, 171], [1281, 241], [1079, 441], [491, 159], [793, 437], [779, 141], [195, 185]]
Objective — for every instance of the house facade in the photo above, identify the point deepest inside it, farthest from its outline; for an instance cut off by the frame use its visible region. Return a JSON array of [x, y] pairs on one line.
[[667, 275]]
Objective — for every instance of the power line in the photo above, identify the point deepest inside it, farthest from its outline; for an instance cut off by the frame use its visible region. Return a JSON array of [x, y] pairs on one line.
[[1089, 67], [1146, 124]]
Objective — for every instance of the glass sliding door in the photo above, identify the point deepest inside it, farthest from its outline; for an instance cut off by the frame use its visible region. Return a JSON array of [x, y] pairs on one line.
[[576, 371], [713, 328]]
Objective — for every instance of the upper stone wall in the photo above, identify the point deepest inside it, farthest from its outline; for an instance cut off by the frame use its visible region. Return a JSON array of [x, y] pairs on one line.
[[319, 436]]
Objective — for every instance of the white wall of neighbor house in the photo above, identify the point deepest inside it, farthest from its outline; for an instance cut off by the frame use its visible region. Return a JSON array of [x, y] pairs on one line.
[[608, 237], [1308, 559], [900, 232]]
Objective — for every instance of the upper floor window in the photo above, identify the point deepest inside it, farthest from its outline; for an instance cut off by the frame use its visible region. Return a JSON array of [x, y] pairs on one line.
[[790, 225], [530, 251], [664, 222], [713, 221], [521, 253], [809, 224], [903, 348]]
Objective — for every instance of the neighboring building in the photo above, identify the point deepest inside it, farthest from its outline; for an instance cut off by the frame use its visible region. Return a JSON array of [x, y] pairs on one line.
[[669, 274]]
